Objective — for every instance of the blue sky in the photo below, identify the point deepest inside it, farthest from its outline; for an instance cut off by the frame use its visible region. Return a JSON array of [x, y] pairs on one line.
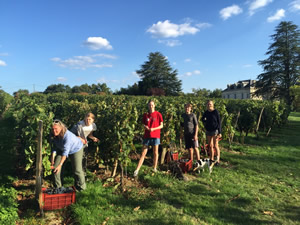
[[211, 43]]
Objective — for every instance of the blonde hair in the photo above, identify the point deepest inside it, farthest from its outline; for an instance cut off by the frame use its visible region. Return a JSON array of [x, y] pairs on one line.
[[213, 104], [62, 126]]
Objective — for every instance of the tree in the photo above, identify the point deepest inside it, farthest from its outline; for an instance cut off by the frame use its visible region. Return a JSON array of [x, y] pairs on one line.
[[157, 73], [201, 92], [281, 68], [5, 99], [100, 88], [21, 92], [130, 90], [217, 93], [295, 91], [57, 88]]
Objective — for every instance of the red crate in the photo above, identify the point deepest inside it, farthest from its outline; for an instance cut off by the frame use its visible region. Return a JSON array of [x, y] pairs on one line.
[[57, 201], [174, 156], [186, 165]]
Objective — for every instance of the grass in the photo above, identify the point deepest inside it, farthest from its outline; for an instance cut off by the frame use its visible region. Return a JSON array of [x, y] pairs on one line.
[[257, 183]]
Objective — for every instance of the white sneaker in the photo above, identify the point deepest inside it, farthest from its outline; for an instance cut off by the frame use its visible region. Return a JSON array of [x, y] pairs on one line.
[[136, 172], [155, 170]]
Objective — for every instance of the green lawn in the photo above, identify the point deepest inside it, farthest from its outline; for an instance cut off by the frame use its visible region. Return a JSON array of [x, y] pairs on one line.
[[257, 183]]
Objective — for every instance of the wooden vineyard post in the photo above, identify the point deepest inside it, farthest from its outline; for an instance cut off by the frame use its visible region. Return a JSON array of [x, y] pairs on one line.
[[38, 179], [258, 123]]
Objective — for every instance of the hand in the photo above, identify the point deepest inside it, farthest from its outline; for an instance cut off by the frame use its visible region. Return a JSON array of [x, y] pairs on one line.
[[146, 127], [83, 140], [151, 129], [95, 139], [196, 138], [57, 169], [219, 135]]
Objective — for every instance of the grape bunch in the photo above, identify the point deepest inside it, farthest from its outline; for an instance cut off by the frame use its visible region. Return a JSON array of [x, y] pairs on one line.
[[60, 190]]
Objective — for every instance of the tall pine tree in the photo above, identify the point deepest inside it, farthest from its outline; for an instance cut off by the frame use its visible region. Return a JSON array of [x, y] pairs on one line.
[[157, 77], [281, 68]]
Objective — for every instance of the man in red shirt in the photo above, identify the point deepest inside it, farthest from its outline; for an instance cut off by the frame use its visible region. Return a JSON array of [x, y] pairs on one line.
[[152, 122]]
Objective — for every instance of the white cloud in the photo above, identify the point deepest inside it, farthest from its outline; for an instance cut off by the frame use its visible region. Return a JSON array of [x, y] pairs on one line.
[[170, 43], [277, 16], [83, 62], [187, 60], [96, 43], [166, 29], [257, 4], [230, 11], [247, 65], [203, 25], [104, 80], [295, 6], [2, 63], [107, 56], [195, 72], [61, 79]]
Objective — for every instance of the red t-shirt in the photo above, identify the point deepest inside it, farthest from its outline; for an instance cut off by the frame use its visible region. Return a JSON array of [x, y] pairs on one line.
[[152, 120]]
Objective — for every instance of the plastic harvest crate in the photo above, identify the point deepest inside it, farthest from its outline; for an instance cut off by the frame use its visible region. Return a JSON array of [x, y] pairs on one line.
[[185, 165], [174, 156], [57, 201]]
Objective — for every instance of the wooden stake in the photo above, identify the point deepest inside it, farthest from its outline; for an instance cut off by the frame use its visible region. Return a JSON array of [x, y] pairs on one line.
[[38, 181]]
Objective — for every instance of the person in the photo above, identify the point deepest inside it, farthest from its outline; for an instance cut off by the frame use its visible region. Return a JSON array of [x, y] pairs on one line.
[[212, 124], [190, 125], [65, 144], [84, 129], [153, 123]]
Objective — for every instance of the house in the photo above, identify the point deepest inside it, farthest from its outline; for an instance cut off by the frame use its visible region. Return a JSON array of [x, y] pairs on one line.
[[243, 89]]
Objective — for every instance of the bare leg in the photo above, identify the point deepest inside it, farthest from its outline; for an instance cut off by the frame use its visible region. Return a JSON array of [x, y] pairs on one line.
[[211, 147], [197, 153], [191, 153], [141, 161], [155, 156], [216, 146]]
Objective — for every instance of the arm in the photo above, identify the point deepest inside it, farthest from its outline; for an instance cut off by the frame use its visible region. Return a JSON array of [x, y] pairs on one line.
[[196, 128], [91, 136], [156, 128], [196, 132], [219, 125]]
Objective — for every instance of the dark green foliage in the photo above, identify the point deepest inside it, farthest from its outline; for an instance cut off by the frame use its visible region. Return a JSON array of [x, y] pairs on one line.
[[157, 77], [205, 93], [57, 88], [282, 67], [5, 99], [84, 88]]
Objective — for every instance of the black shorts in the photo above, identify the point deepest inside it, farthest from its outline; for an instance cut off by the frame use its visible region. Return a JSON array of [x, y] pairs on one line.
[[190, 142]]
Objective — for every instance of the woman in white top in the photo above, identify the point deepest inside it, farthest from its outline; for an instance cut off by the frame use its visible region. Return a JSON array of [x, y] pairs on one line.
[[84, 129]]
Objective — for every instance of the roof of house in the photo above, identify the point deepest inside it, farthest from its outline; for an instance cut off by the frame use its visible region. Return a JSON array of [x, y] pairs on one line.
[[240, 85]]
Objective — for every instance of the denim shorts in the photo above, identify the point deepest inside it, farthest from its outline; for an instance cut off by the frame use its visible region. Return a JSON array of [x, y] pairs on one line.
[[212, 133], [151, 141]]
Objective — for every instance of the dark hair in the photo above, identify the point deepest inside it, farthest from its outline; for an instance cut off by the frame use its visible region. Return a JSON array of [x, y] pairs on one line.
[[151, 100], [89, 114], [188, 105]]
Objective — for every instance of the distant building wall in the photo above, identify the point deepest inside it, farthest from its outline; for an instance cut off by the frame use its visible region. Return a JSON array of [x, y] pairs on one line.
[[241, 90]]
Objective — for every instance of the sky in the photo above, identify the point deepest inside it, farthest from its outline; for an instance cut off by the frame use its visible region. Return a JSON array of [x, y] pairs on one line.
[[211, 43]]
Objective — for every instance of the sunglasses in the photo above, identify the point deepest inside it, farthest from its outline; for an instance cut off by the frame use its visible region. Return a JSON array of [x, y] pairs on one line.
[[57, 122]]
